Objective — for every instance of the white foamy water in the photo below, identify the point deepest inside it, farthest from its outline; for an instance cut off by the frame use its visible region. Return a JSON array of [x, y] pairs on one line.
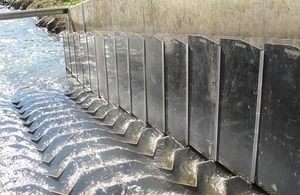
[[30, 58]]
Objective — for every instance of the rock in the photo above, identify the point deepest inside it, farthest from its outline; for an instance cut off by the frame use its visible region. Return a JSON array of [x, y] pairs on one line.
[[4, 3], [35, 5], [51, 24], [41, 23], [54, 24], [25, 4], [16, 4], [58, 29]]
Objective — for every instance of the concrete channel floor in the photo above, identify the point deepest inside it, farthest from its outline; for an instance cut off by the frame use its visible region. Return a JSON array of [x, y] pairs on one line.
[[77, 143]]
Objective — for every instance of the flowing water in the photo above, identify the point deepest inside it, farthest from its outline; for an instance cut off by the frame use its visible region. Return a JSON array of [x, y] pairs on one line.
[[49, 145], [29, 57]]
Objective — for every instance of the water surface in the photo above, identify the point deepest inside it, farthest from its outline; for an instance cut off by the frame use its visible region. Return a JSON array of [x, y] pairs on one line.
[[29, 57]]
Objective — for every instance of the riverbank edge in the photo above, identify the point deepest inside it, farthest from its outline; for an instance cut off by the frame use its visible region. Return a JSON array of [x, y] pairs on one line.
[[54, 23]]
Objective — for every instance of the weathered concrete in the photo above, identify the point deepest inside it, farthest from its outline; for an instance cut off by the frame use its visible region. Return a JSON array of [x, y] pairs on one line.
[[75, 19], [254, 21]]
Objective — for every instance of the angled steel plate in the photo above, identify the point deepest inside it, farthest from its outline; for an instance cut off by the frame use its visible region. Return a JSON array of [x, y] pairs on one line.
[[79, 74], [138, 77], [123, 70], [84, 59], [111, 68], [278, 168], [176, 74], [66, 50], [238, 98], [204, 62], [101, 66], [155, 82], [92, 62], [72, 54]]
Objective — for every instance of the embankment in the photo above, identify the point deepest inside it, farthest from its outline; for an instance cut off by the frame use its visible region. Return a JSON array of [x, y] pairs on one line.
[[54, 24]]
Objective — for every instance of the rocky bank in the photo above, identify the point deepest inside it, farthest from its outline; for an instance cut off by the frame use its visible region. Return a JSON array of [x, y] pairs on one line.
[[54, 24]]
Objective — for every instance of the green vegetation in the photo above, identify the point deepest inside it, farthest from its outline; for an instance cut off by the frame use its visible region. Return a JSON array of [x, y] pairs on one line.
[[71, 2], [34, 4], [58, 3], [23, 4]]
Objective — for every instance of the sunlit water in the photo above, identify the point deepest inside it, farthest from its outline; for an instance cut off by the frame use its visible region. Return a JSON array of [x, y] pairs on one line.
[[30, 58], [78, 146]]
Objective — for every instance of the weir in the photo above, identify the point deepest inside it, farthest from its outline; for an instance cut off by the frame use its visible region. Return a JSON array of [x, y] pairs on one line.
[[213, 99], [213, 95], [160, 102]]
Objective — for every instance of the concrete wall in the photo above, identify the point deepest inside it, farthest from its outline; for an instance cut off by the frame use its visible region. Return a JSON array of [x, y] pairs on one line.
[[255, 21]]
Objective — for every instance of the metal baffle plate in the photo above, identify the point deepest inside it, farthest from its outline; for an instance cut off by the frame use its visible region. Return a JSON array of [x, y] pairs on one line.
[[138, 77], [72, 54], [111, 67], [278, 168], [101, 66], [123, 70], [92, 62], [84, 59], [79, 74], [155, 82], [66, 50], [176, 74], [204, 74], [238, 98]]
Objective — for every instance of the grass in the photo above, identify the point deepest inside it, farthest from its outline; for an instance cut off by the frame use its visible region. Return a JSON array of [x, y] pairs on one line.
[[71, 2], [57, 3], [52, 3]]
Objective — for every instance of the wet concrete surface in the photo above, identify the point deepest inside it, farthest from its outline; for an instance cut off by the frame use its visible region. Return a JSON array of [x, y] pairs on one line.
[[57, 143]]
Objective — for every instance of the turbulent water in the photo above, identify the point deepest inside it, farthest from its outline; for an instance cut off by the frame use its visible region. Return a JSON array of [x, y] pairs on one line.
[[48, 144], [29, 57]]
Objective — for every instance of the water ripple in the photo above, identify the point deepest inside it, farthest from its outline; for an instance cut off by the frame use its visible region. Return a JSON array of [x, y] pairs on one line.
[[29, 57]]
